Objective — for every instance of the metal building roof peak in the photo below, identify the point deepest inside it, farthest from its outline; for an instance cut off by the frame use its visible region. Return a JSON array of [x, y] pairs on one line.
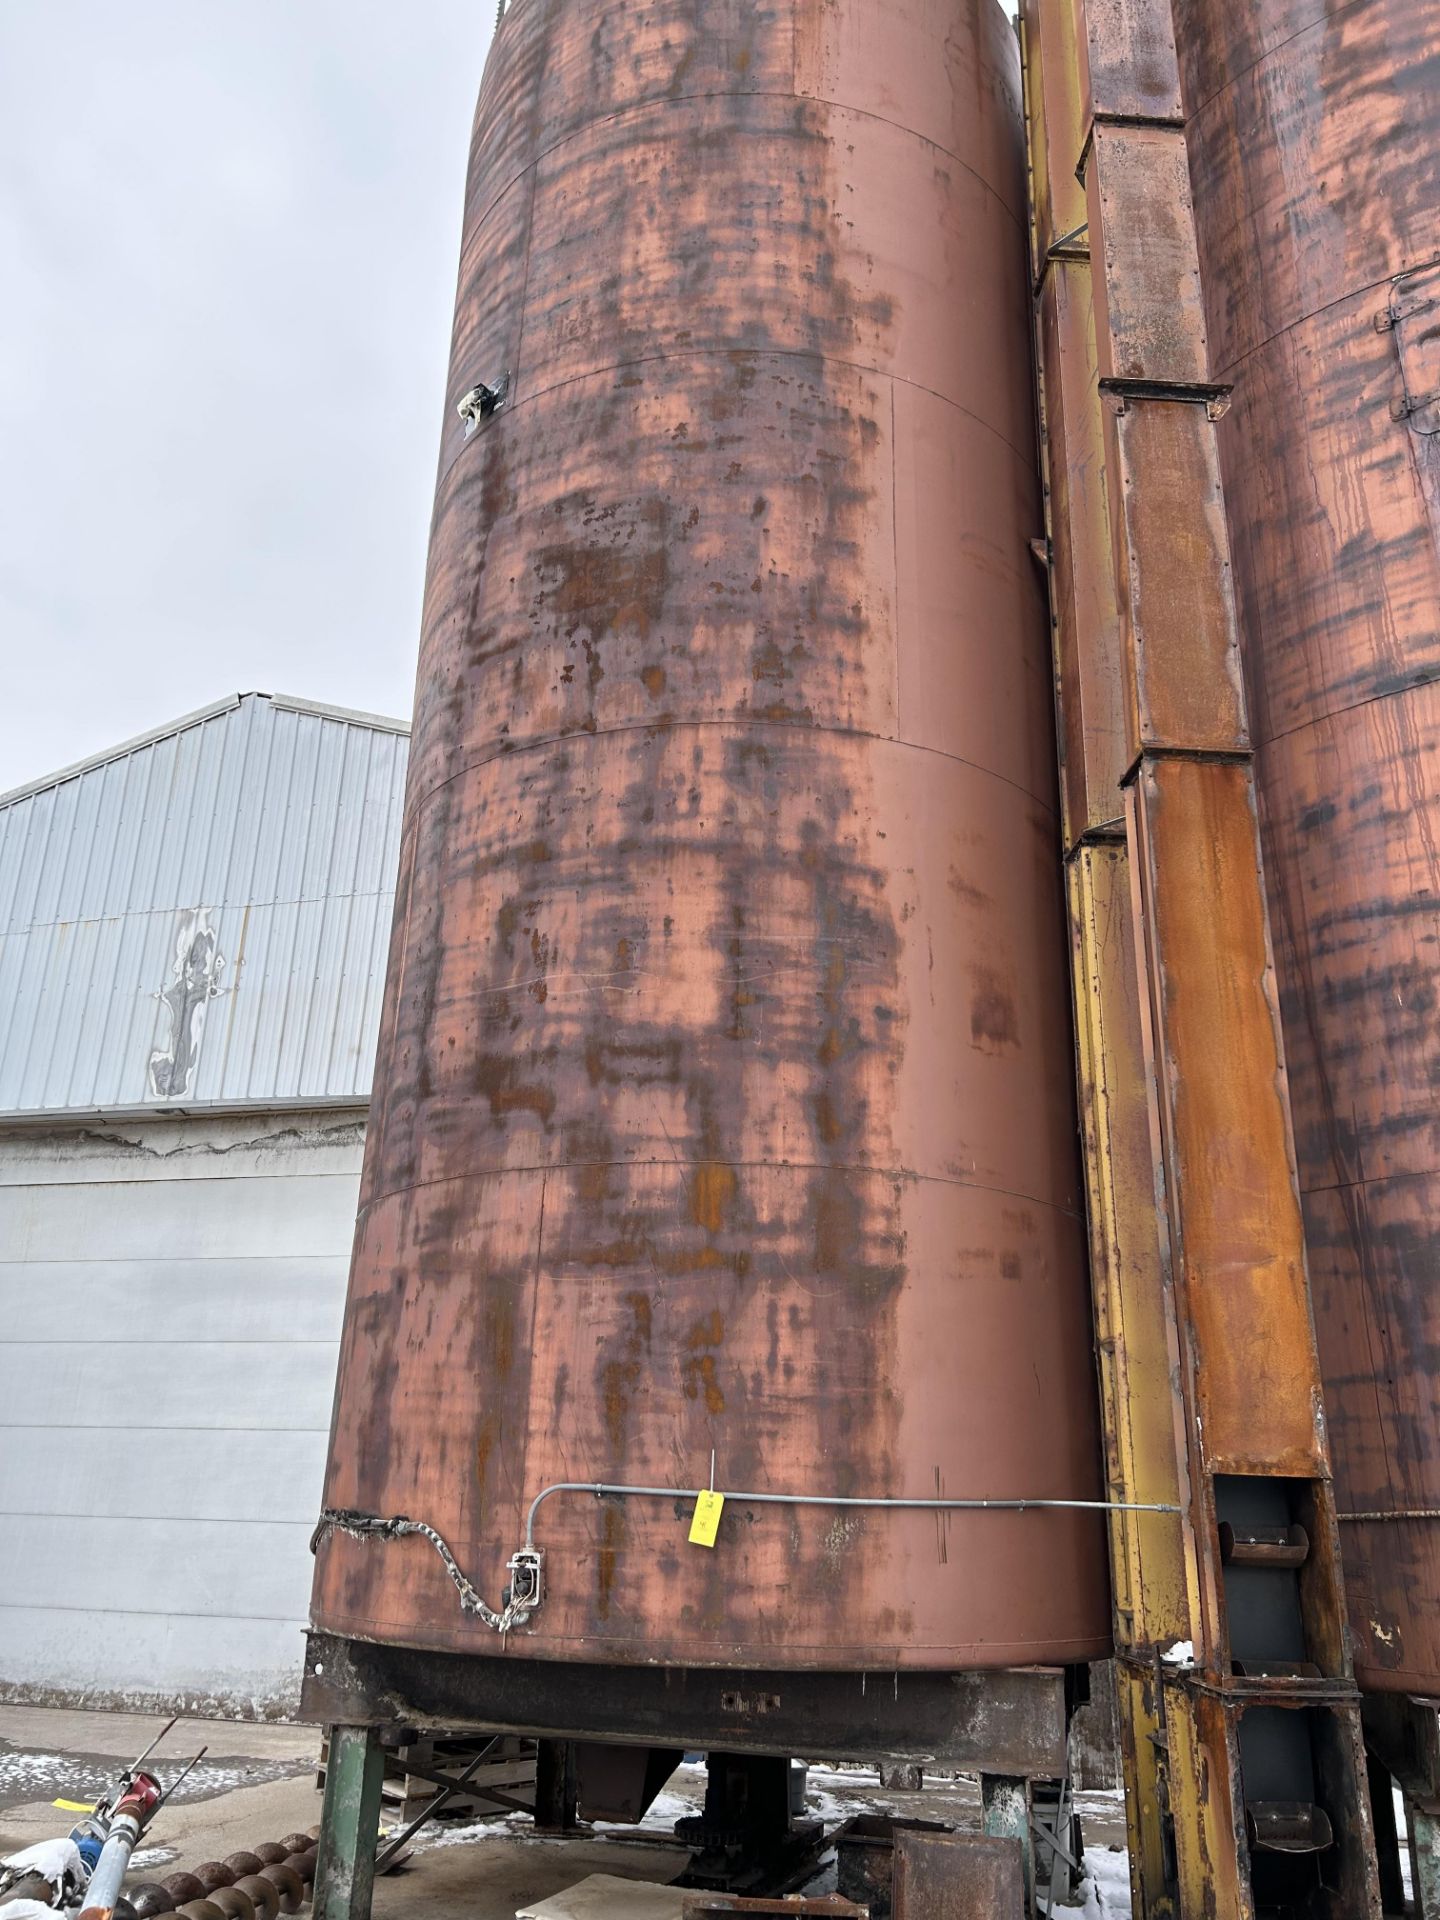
[[199, 917], [227, 703]]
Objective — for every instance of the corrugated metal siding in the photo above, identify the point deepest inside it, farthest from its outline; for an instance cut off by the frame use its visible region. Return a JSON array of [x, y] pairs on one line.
[[172, 1296], [258, 841]]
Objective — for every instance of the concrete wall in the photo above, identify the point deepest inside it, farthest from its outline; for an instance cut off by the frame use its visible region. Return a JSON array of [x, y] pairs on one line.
[[170, 1303]]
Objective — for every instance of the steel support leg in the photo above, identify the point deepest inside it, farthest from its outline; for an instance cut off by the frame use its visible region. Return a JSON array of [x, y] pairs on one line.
[[1387, 1837], [1005, 1815], [349, 1824], [1425, 1859], [555, 1791]]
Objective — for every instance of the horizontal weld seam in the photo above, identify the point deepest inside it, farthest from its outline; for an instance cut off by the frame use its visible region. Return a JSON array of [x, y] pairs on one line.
[[720, 93], [739, 1166], [1234, 81], [1371, 1180], [1315, 313], [730, 349], [1053, 1651], [414, 809], [1338, 713]]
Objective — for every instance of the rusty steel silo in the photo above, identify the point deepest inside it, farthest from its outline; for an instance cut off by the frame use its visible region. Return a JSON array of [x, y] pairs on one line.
[[1314, 136], [724, 1096]]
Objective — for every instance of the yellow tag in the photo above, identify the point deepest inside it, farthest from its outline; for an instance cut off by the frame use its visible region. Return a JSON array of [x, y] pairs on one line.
[[74, 1806], [706, 1524]]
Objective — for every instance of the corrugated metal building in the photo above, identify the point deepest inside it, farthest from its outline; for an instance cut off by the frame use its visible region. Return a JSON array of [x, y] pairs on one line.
[[193, 931]]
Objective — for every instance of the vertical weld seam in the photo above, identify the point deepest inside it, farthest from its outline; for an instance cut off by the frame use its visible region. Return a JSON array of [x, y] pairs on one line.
[[533, 170], [895, 547], [534, 1316], [382, 1131], [524, 295]]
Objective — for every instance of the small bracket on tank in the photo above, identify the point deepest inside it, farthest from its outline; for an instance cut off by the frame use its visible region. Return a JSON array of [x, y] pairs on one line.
[[526, 1590], [481, 401]]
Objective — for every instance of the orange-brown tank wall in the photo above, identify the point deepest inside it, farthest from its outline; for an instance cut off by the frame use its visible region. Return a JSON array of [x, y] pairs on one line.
[[724, 1089], [1315, 159]]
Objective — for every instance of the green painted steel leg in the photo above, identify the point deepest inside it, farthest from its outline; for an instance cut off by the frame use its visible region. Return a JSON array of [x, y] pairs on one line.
[[1005, 1815], [349, 1823], [1425, 1859]]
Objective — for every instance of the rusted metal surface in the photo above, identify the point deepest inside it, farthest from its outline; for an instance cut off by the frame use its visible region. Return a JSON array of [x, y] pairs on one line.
[[1356, 494], [1012, 1718], [865, 1857], [1137, 1339], [723, 1096], [1312, 136], [1055, 110], [1247, 1706], [958, 1876], [1230, 1874], [1134, 1310], [1149, 323], [236, 1893], [1182, 663], [1091, 706], [1147, 1761], [1315, 147], [1128, 69], [1234, 1211]]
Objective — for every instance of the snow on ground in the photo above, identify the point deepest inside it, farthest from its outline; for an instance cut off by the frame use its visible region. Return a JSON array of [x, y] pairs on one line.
[[62, 1776], [1105, 1890], [667, 1808], [37, 1769], [861, 1779], [153, 1857], [509, 1826], [830, 1808]]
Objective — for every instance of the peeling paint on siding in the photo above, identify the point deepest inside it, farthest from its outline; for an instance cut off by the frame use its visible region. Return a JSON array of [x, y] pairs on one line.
[[194, 983]]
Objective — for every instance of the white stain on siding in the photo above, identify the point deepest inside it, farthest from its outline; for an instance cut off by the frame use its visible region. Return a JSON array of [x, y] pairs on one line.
[[194, 983]]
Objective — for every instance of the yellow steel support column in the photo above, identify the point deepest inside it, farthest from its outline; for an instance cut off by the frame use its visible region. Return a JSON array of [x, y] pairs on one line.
[[1136, 1339], [1244, 1769]]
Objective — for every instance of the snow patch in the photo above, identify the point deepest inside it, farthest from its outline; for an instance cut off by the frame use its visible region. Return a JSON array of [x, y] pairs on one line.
[[55, 1776], [1105, 1890]]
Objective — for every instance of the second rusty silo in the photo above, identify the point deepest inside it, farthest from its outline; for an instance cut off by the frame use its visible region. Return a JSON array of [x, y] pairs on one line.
[[724, 1092], [1314, 137]]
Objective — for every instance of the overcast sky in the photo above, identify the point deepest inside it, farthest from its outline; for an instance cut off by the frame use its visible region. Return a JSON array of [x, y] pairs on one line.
[[229, 234]]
